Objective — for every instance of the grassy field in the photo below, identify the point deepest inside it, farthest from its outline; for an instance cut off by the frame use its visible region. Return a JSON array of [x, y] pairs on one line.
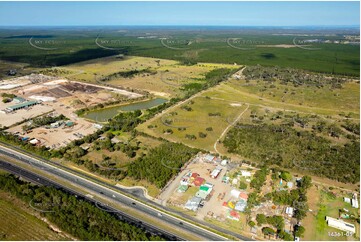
[[19, 223], [310, 96], [177, 123], [348, 97], [323, 204]]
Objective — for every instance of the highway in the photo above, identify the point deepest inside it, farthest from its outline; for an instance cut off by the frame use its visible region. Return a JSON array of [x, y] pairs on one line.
[[98, 190], [39, 180]]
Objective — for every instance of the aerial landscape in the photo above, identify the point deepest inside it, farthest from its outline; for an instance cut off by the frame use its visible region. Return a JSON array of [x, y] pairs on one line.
[[165, 121]]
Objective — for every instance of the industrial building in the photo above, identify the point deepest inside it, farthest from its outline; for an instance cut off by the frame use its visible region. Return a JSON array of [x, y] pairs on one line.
[[21, 106]]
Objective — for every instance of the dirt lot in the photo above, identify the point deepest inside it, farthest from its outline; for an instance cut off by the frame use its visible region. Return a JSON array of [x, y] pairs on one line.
[[213, 203], [8, 119], [58, 137], [65, 97]]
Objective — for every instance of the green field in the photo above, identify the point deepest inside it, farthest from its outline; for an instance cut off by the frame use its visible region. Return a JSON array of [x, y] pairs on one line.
[[205, 113], [19, 223], [328, 206]]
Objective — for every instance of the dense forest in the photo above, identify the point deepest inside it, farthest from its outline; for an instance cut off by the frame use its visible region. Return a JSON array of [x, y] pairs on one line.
[[299, 150], [72, 215], [161, 164]]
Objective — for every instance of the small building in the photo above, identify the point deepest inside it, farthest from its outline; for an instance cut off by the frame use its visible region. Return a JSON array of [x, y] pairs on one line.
[[193, 203], [245, 173], [340, 224], [243, 195], [290, 185], [198, 181], [235, 193], [85, 146], [56, 124], [69, 124], [224, 162], [205, 188], [208, 184], [184, 181], [289, 211], [195, 175], [182, 188], [98, 126], [233, 215], [241, 205], [19, 99], [209, 158], [234, 181], [34, 141], [216, 172], [347, 200], [354, 203]]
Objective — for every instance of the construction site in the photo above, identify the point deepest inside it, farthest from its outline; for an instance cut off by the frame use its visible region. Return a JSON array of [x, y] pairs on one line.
[[33, 96]]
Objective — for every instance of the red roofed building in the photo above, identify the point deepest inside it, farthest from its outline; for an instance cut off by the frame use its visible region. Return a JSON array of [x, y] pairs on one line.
[[243, 195], [195, 175], [198, 181]]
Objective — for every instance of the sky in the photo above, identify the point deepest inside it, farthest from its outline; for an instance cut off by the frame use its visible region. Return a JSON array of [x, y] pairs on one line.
[[180, 13]]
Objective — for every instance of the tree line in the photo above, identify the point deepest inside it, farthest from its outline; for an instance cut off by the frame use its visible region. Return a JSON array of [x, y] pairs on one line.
[[72, 215]]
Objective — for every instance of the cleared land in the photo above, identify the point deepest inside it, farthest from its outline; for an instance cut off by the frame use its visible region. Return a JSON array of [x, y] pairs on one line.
[[158, 76], [199, 127]]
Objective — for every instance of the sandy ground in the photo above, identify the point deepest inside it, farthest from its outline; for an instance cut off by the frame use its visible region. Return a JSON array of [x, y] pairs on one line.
[[58, 137], [8, 119]]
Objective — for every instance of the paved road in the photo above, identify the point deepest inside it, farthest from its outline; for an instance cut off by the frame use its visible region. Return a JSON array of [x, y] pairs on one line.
[[39, 180], [116, 197]]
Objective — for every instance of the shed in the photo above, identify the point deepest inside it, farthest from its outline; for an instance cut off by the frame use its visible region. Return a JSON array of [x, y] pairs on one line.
[[19, 99], [69, 123], [209, 184], [209, 157], [340, 224], [182, 188], [289, 211], [216, 172], [243, 196], [193, 203], [224, 162], [235, 193], [195, 175], [354, 203], [225, 179], [233, 215], [204, 188], [241, 205], [34, 141], [246, 173]]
